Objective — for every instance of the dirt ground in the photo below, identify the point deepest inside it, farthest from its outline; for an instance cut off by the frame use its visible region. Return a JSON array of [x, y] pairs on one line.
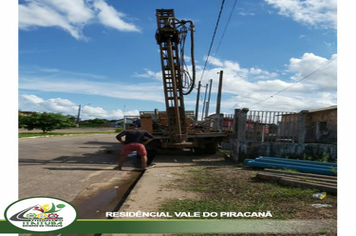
[[167, 179], [70, 130], [157, 183]]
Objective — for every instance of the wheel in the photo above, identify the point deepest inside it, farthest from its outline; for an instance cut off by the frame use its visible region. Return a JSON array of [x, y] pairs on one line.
[[210, 148]]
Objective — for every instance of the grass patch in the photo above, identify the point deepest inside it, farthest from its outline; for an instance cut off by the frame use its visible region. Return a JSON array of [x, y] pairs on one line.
[[231, 189], [26, 135]]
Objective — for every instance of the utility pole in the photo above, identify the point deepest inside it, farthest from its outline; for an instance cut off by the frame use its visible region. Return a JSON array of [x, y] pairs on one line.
[[218, 122], [206, 91], [197, 105], [218, 101], [78, 117], [208, 102]]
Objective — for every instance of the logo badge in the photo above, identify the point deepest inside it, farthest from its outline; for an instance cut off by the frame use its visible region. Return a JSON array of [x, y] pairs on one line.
[[41, 214]]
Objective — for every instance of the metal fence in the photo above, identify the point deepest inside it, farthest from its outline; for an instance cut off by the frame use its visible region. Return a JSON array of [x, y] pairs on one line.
[[272, 126], [228, 122], [267, 126]]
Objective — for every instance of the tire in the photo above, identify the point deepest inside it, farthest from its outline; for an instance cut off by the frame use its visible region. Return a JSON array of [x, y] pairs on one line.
[[208, 149]]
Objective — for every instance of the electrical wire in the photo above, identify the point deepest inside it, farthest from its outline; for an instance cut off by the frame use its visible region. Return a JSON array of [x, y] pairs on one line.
[[227, 23], [213, 38], [282, 90], [224, 31]]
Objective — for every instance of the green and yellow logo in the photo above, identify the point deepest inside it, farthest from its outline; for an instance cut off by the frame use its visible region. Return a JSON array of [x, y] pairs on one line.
[[31, 214]]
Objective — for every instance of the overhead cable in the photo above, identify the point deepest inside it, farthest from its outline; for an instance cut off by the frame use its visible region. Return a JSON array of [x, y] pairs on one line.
[[223, 34], [320, 68], [227, 23], [212, 40]]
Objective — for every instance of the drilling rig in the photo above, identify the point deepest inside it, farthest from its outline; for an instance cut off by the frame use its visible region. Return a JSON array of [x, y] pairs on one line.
[[176, 127]]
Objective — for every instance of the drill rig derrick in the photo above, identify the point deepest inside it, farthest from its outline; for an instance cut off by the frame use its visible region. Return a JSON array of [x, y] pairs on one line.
[[170, 34], [176, 128]]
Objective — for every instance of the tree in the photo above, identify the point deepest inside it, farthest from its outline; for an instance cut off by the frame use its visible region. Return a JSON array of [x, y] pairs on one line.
[[45, 121], [22, 120], [93, 123]]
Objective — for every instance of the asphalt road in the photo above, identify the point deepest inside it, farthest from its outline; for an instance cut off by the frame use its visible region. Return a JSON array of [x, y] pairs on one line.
[[73, 168]]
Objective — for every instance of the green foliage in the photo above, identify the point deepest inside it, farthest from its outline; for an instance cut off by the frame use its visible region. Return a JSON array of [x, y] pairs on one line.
[[333, 170], [22, 120], [93, 123], [118, 130], [226, 190], [325, 157], [45, 121]]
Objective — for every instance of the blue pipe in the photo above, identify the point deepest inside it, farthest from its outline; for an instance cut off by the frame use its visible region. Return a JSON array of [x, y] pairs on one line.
[[321, 170], [294, 160], [247, 160], [299, 163], [291, 161]]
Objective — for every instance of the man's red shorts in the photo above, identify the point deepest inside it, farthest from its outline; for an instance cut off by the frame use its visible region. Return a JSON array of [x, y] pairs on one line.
[[138, 147]]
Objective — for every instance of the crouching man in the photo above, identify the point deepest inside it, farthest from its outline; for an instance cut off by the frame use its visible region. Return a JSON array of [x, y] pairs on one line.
[[134, 141]]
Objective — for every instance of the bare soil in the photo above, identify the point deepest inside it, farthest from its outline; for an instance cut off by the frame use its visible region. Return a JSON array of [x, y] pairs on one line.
[[179, 177], [230, 181]]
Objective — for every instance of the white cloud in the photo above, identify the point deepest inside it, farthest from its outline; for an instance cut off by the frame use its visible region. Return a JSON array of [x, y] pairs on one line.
[[316, 13], [326, 76], [44, 15], [55, 80], [215, 61], [71, 16], [28, 102], [108, 16], [244, 12], [287, 90], [253, 87], [76, 11], [149, 74]]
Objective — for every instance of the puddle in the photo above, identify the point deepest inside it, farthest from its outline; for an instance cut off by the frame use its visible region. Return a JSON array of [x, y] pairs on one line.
[[94, 202], [104, 199]]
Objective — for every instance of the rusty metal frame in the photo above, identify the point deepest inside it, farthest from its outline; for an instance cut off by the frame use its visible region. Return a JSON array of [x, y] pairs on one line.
[[167, 37]]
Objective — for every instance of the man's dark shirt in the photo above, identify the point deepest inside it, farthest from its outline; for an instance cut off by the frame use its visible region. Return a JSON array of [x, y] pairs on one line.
[[134, 136]]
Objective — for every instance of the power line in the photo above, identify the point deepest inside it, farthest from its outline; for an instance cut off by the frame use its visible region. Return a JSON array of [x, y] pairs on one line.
[[212, 40], [227, 23], [320, 68], [224, 31]]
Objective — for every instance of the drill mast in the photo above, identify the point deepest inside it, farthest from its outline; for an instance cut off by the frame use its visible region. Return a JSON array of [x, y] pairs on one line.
[[169, 37]]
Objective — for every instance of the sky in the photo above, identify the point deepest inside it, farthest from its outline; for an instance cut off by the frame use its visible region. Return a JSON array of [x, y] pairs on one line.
[[276, 55]]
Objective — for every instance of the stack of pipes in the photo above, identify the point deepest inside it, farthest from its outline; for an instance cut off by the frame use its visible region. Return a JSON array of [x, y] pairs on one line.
[[315, 167]]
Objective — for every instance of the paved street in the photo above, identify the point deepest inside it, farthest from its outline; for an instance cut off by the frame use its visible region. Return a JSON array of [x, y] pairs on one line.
[[70, 167]]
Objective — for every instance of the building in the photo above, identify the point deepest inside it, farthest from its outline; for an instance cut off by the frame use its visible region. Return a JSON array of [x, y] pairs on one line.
[[313, 126], [321, 125]]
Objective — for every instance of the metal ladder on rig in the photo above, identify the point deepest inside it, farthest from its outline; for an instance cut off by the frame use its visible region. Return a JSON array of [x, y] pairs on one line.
[[167, 37]]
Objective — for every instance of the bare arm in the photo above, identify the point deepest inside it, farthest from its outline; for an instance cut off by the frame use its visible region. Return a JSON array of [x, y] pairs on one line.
[[147, 141], [119, 136], [149, 138]]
